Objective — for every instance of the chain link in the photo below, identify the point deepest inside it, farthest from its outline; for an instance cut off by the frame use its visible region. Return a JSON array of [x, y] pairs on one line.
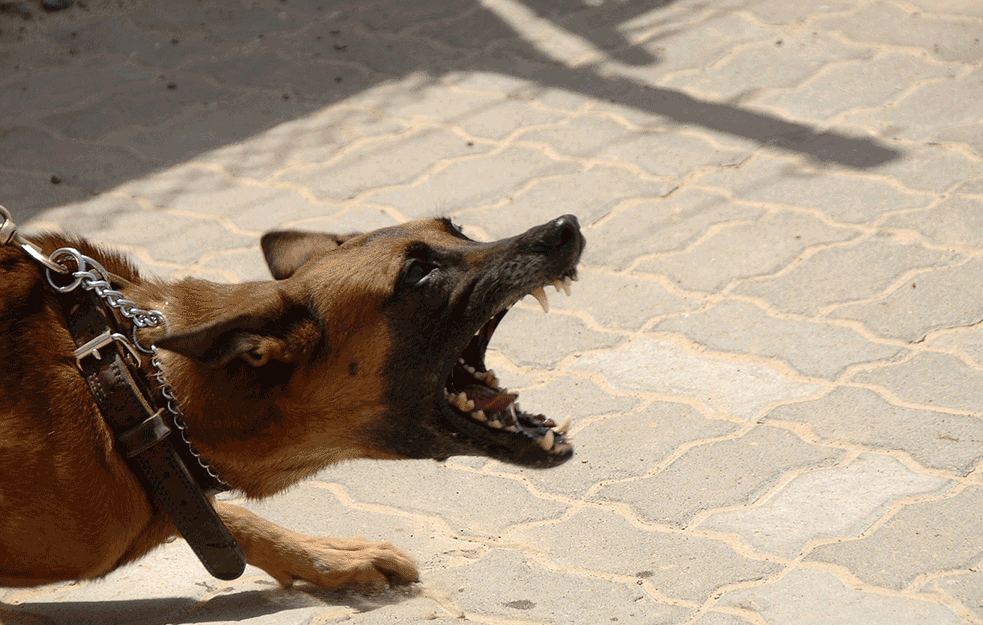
[[92, 276]]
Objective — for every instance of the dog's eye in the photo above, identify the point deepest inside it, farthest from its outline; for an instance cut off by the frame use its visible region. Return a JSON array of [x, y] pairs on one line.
[[417, 271]]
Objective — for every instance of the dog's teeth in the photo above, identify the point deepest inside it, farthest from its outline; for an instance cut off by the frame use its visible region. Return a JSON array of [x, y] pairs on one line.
[[511, 428], [566, 284], [495, 424], [468, 406], [547, 441], [562, 448], [564, 427], [460, 361], [469, 369], [573, 276], [479, 415], [540, 296]]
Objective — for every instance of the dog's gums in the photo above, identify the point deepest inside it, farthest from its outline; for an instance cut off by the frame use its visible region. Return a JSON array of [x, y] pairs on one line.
[[473, 396]]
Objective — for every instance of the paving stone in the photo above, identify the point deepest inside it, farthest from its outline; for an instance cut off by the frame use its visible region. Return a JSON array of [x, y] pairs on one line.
[[946, 39], [384, 163], [922, 538], [930, 379], [590, 194], [782, 13], [697, 46], [843, 273], [210, 125], [819, 598], [31, 92], [908, 313], [956, 221], [745, 250], [354, 220], [412, 488], [87, 165], [847, 198], [314, 138], [621, 301], [965, 341], [148, 103], [311, 508], [678, 565], [966, 587], [468, 183], [842, 501], [671, 223], [814, 349], [657, 153], [782, 60], [621, 446], [719, 618], [174, 238], [527, 338], [249, 206], [126, 596], [478, 79], [738, 389], [720, 474], [536, 594], [857, 416], [24, 194], [865, 83], [927, 112], [949, 167]]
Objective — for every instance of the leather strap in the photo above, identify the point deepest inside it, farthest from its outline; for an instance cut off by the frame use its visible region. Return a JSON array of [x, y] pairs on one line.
[[143, 437]]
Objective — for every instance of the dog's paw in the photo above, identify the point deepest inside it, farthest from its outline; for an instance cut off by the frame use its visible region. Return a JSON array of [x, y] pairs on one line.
[[335, 562]]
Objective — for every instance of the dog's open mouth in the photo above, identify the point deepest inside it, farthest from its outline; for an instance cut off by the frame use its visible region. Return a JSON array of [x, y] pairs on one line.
[[486, 411]]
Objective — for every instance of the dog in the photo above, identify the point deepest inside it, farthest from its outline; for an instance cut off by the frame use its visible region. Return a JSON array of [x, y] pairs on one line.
[[362, 346]]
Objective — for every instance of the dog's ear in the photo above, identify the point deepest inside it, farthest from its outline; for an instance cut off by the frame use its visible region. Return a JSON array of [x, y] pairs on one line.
[[258, 334], [287, 250]]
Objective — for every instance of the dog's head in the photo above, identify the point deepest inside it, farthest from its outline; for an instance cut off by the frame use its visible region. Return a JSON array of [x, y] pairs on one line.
[[376, 342]]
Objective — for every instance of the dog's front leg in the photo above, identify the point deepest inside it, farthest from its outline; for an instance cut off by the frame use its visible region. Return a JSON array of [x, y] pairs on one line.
[[324, 562]]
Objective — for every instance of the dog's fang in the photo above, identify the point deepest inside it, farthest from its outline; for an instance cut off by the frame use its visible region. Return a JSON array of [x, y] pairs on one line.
[[547, 441], [564, 427], [540, 296]]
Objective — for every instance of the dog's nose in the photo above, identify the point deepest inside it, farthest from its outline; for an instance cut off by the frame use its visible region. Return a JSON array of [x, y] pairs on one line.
[[561, 231]]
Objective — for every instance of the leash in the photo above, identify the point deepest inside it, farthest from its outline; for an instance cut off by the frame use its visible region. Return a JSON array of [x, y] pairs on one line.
[[174, 476]]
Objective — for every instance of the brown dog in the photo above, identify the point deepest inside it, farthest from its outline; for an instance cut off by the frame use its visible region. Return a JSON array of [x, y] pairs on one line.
[[366, 346]]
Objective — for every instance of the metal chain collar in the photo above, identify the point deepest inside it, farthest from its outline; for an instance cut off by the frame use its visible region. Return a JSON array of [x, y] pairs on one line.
[[92, 276]]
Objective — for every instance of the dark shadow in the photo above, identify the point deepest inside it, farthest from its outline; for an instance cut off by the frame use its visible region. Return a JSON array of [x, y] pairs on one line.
[[230, 607], [67, 156]]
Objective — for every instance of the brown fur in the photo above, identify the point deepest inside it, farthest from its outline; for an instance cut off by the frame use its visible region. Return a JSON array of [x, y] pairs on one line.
[[277, 380]]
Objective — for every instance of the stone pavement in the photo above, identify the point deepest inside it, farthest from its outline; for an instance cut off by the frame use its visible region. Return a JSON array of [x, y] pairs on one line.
[[774, 358]]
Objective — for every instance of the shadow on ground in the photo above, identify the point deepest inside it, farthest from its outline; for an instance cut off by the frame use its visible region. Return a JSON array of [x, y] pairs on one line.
[[95, 96]]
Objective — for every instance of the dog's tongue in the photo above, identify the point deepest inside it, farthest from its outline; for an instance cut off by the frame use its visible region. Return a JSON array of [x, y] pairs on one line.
[[489, 400]]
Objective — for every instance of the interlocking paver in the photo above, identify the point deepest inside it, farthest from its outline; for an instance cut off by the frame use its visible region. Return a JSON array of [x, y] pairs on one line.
[[820, 598], [719, 385], [841, 196], [726, 473], [775, 240], [817, 282], [687, 568], [773, 358], [813, 349], [857, 416], [841, 501], [894, 316], [922, 538]]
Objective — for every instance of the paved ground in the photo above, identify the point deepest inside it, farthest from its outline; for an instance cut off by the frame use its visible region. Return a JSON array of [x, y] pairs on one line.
[[774, 358]]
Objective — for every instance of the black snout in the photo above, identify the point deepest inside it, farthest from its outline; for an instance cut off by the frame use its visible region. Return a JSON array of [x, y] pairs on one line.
[[562, 232]]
